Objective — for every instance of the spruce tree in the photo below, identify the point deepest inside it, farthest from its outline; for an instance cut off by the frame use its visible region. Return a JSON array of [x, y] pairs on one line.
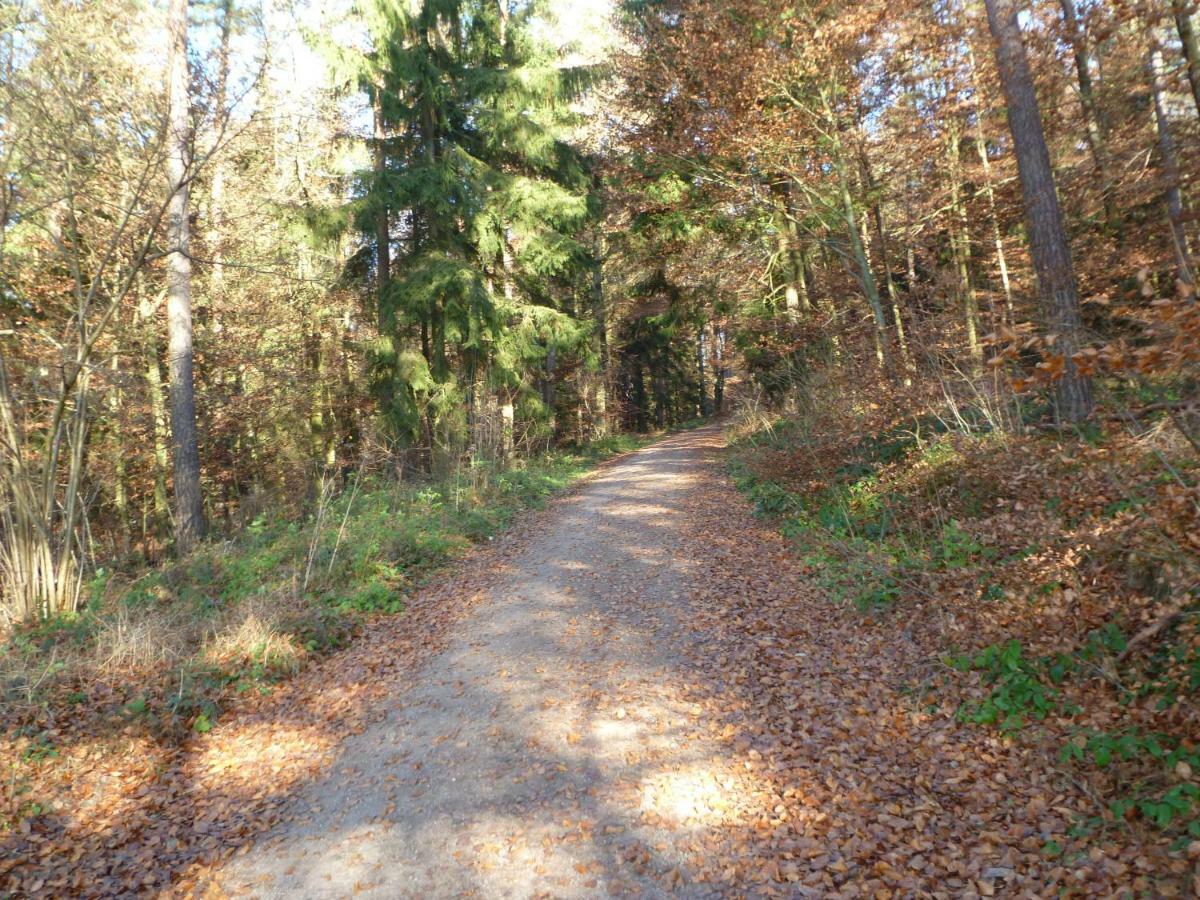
[[481, 199]]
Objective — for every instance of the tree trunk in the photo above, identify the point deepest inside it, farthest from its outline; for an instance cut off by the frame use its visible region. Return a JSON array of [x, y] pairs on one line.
[[1087, 100], [960, 243], [217, 191], [189, 503], [799, 255], [383, 253], [884, 257], [121, 483], [148, 340], [1189, 46], [865, 278], [787, 248], [1170, 161], [549, 391], [828, 310], [792, 276], [1048, 245], [599, 427], [864, 236], [639, 397], [990, 190], [719, 370]]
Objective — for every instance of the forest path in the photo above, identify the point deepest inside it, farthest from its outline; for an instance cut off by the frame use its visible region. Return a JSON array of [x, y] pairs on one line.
[[549, 748], [642, 691]]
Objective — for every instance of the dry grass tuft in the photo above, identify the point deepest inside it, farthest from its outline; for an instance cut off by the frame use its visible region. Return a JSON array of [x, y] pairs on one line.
[[256, 631]]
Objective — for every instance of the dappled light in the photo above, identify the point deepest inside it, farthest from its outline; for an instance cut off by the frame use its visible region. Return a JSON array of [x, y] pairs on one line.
[[599, 448], [693, 796]]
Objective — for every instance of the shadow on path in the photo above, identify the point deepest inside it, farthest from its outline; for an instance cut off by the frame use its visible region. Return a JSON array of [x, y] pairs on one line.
[[549, 747]]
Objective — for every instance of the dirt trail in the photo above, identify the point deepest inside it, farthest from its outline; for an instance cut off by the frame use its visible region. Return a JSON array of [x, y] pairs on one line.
[[548, 749], [641, 693]]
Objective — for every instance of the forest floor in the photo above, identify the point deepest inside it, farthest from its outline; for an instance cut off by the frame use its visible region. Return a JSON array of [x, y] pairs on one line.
[[643, 694], [641, 691]]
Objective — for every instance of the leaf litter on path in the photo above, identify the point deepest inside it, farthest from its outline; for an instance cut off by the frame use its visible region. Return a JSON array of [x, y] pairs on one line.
[[638, 692]]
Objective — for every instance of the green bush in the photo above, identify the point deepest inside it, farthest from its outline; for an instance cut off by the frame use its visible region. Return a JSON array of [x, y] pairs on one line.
[[954, 548], [1018, 687], [1178, 804], [374, 597]]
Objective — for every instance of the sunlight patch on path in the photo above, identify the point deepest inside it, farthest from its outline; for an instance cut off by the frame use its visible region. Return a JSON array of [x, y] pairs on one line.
[[548, 750], [693, 796]]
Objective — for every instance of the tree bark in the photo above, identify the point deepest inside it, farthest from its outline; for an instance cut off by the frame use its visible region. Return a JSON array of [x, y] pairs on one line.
[[116, 403], [960, 245], [189, 502], [148, 342], [1049, 250], [599, 427], [989, 190], [864, 275], [383, 252], [1173, 194], [885, 258], [795, 292], [217, 194], [1189, 46], [719, 370]]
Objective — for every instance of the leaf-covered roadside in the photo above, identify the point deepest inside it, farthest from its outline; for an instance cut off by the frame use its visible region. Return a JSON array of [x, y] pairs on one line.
[[98, 706], [849, 779], [1050, 581]]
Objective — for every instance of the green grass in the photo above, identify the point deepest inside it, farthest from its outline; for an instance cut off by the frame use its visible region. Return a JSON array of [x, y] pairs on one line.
[[373, 544], [168, 646]]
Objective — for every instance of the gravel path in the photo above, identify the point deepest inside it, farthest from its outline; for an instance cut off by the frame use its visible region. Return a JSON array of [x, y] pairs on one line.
[[547, 750], [644, 691], [640, 691]]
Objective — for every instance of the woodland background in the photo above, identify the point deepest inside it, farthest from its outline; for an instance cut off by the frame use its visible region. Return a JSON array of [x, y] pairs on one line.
[[296, 303]]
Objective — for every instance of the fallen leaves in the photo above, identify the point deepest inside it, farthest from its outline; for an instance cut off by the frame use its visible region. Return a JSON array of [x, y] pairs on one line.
[[768, 744]]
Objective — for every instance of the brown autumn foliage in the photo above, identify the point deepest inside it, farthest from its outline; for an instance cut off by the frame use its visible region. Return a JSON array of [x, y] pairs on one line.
[[823, 198]]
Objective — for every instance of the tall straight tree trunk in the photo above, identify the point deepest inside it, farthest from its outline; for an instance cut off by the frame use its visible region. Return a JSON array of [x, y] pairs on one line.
[[864, 236], [885, 258], [718, 370], [600, 408], [989, 188], [216, 236], [787, 247], [800, 253], [1189, 46], [549, 391], [1087, 100], [383, 252], [826, 306], [639, 396], [217, 195], [148, 340], [792, 274], [1173, 194], [1048, 245], [116, 403], [960, 243], [189, 503], [864, 275]]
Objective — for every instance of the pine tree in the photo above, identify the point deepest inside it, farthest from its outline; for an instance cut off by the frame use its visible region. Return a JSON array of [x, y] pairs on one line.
[[484, 199]]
